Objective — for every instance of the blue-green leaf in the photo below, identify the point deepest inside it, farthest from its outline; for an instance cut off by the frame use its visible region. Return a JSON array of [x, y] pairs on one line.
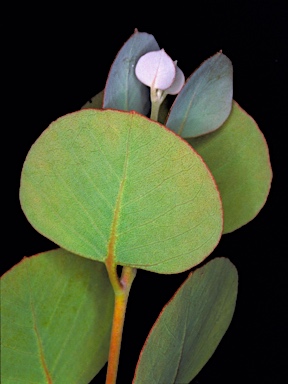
[[206, 99], [123, 91], [190, 326]]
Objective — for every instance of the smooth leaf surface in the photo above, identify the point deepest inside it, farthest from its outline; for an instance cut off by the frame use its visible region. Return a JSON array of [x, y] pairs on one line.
[[238, 157], [123, 90], [205, 101], [190, 326], [56, 314], [112, 184]]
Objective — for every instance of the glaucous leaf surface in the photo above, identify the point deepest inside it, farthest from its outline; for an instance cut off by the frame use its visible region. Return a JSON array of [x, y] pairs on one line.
[[123, 90], [112, 184], [56, 314], [238, 157], [205, 101], [190, 326]]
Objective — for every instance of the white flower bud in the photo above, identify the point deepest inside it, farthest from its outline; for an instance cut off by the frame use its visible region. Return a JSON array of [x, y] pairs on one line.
[[156, 69], [178, 82]]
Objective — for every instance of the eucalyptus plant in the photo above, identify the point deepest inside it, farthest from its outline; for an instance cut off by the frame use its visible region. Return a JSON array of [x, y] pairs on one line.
[[128, 182]]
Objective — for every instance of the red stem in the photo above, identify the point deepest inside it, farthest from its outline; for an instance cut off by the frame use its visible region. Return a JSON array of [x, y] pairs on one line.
[[121, 291]]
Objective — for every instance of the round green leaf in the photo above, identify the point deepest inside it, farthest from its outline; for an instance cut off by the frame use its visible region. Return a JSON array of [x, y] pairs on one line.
[[123, 90], [205, 101], [113, 184], [190, 326], [56, 315], [238, 157]]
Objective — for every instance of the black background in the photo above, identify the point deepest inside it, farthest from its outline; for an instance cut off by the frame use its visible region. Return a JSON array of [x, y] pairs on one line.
[[58, 60]]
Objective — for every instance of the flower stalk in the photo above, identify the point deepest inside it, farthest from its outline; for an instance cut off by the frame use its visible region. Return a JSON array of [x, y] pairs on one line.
[[158, 71]]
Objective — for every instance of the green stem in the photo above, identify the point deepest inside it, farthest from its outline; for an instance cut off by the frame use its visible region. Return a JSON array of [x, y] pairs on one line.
[[155, 106], [157, 97], [121, 290]]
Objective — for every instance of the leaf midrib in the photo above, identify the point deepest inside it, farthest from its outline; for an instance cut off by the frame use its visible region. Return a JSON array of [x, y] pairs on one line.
[[38, 338], [110, 259]]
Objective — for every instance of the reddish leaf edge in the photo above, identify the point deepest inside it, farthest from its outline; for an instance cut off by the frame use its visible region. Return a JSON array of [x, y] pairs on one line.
[[199, 266], [135, 113], [218, 54], [135, 32], [110, 69], [268, 158], [35, 328], [28, 257]]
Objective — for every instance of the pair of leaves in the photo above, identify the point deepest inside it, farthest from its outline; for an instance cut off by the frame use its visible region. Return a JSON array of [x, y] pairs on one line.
[[110, 184], [203, 104], [237, 153], [56, 317], [238, 158]]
